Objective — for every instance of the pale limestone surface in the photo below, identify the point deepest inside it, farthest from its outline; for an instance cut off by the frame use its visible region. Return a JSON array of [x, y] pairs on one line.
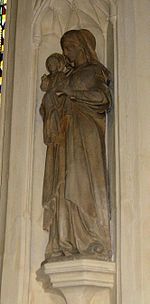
[[24, 214], [134, 75], [83, 281], [81, 272], [5, 119], [24, 239]]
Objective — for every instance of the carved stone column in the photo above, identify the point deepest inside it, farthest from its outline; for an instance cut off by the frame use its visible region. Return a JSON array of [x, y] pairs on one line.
[[83, 281]]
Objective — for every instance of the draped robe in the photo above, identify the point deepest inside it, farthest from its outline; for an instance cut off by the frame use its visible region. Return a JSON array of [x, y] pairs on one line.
[[75, 194]]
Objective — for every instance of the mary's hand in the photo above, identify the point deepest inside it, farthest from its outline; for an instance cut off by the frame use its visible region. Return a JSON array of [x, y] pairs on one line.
[[60, 93], [66, 91]]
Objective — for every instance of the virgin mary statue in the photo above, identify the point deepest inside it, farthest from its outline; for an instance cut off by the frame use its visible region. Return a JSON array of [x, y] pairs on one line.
[[75, 192]]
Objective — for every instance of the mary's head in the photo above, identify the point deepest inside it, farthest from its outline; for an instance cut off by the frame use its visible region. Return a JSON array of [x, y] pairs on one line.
[[79, 46]]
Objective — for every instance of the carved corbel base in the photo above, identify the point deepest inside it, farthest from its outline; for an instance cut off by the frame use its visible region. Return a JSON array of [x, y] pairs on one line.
[[83, 281]]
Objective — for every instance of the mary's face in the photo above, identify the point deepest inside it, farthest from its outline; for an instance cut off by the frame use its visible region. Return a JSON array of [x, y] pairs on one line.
[[71, 50]]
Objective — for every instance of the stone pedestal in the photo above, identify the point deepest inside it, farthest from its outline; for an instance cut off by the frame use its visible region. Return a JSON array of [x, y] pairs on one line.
[[83, 281]]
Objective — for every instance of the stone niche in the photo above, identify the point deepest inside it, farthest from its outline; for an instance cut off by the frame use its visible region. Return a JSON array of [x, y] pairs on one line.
[[96, 284]]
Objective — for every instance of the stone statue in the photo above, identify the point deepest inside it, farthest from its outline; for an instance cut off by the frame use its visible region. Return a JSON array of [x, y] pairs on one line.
[[75, 194], [51, 107]]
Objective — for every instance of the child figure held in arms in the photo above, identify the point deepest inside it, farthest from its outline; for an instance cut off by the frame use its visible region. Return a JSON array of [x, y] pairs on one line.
[[52, 105]]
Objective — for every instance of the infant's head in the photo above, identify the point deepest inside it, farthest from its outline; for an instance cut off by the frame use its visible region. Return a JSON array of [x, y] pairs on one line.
[[55, 63]]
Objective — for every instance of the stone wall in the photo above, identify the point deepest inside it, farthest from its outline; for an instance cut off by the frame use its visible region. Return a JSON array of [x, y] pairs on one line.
[[24, 239]]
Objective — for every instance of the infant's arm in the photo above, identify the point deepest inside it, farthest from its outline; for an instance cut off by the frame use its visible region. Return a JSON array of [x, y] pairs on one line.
[[47, 82]]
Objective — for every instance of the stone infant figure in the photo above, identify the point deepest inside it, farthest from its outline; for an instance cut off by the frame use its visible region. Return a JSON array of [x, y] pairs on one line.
[[52, 105]]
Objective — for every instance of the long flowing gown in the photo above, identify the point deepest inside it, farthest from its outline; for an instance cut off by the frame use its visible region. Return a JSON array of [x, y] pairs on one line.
[[75, 194]]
